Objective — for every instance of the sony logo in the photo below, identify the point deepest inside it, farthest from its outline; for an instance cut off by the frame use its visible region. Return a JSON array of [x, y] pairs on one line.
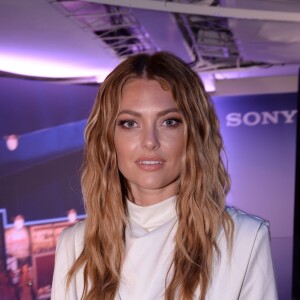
[[253, 118]]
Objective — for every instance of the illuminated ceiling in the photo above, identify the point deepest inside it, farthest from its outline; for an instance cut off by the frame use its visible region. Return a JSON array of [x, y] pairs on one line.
[[82, 41]]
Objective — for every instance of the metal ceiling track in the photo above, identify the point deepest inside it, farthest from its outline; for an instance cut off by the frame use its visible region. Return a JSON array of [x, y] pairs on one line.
[[205, 10], [114, 25]]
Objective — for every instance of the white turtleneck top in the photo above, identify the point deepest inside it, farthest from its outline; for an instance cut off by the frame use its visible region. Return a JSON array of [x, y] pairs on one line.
[[149, 246], [245, 275], [152, 216]]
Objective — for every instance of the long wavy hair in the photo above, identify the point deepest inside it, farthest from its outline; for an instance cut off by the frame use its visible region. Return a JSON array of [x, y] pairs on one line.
[[203, 184]]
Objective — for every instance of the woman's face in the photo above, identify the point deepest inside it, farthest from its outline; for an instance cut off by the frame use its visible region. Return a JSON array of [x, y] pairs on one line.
[[149, 141]]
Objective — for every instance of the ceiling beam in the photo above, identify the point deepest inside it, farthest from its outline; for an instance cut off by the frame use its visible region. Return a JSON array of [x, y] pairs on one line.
[[204, 10]]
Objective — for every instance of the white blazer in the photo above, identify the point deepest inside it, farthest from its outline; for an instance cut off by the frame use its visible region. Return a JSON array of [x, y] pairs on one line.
[[248, 275]]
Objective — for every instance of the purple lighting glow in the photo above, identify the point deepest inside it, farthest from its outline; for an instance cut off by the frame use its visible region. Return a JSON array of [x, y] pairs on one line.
[[37, 67]]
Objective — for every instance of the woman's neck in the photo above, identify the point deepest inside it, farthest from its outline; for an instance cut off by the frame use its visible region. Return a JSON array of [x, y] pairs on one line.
[[147, 200], [146, 197]]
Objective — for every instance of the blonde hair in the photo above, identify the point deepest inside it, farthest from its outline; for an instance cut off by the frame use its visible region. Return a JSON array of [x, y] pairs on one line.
[[203, 184]]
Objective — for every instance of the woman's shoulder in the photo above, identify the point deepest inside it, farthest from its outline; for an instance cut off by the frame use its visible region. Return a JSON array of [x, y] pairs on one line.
[[249, 269], [246, 264], [71, 238], [68, 249], [248, 229], [246, 221], [73, 231]]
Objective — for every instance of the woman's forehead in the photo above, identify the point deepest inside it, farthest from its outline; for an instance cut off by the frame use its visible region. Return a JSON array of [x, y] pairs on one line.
[[146, 94]]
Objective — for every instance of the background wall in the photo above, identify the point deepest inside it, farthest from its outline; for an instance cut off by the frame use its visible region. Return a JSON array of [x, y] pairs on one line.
[[40, 179], [259, 132]]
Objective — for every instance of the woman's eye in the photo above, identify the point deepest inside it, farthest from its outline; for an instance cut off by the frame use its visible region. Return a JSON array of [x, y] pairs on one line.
[[127, 124], [172, 122]]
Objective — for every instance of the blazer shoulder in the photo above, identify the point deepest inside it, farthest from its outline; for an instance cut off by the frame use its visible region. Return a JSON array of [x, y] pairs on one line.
[[246, 222], [247, 264], [252, 259], [72, 238], [248, 229], [68, 249], [74, 231]]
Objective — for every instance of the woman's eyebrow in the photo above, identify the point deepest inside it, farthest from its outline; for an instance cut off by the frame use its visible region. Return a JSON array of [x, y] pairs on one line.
[[166, 111], [159, 114], [129, 112]]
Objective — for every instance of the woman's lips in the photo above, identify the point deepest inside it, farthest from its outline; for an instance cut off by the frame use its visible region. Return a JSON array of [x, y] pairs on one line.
[[150, 165]]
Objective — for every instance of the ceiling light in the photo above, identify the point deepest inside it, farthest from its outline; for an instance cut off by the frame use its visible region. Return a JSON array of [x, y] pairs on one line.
[[12, 142]]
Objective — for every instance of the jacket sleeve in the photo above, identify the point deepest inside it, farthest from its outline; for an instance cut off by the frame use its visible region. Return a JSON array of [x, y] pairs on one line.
[[69, 248], [259, 281], [61, 268]]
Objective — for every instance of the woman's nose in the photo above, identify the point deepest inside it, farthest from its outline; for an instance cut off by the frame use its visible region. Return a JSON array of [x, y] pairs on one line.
[[150, 138]]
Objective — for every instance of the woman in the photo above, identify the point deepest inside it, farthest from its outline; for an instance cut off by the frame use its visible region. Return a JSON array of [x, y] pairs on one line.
[[154, 187]]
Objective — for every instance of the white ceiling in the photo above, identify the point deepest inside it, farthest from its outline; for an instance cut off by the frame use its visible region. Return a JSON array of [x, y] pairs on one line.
[[37, 39], [76, 39]]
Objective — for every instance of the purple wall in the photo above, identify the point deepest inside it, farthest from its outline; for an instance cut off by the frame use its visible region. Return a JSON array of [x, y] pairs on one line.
[[260, 141], [40, 180]]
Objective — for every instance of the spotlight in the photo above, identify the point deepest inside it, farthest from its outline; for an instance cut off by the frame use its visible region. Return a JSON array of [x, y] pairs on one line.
[[12, 142], [72, 215]]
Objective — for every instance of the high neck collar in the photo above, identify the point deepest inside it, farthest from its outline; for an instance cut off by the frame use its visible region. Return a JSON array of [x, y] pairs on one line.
[[152, 216]]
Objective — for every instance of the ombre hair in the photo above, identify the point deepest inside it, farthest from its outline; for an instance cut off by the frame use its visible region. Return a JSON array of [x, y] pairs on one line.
[[203, 184]]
